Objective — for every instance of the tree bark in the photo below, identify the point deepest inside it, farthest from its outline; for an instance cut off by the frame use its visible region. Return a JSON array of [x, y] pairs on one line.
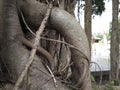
[[15, 54], [114, 51], [88, 31], [67, 26], [88, 14]]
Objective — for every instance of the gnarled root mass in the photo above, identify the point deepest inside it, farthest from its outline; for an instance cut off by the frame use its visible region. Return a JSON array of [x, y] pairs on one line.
[[15, 55]]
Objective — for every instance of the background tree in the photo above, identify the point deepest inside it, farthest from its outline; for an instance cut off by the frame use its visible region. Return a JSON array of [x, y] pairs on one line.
[[110, 27], [91, 8], [88, 20], [98, 6], [114, 51]]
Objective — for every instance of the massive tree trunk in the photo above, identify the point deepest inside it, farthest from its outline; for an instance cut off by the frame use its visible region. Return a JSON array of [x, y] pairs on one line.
[[114, 55], [15, 55]]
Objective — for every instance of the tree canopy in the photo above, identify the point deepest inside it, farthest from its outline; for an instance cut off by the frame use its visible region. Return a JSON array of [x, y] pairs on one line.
[[98, 6]]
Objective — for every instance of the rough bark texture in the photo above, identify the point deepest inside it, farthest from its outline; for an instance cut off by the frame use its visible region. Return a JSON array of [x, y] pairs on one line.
[[67, 26], [1, 3], [114, 55], [15, 54], [62, 22]]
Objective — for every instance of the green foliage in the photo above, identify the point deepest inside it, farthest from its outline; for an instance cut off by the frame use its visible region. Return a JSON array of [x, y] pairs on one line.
[[93, 83], [95, 87], [99, 35], [92, 78], [108, 36], [116, 82], [109, 86], [98, 6]]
